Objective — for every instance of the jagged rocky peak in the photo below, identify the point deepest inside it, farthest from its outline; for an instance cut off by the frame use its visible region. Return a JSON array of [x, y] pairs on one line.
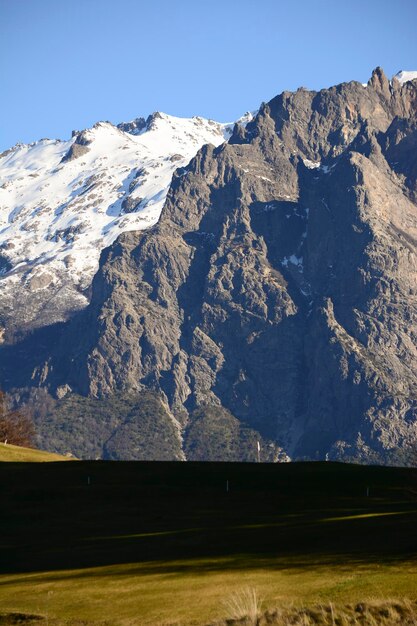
[[275, 298], [379, 81], [152, 120], [79, 147], [323, 123], [134, 127]]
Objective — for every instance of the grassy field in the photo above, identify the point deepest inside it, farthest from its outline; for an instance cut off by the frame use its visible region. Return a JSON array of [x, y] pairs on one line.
[[165, 543], [17, 454]]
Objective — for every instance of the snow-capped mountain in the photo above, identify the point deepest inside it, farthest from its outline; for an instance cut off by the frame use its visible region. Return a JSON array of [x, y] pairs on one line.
[[274, 302], [62, 202]]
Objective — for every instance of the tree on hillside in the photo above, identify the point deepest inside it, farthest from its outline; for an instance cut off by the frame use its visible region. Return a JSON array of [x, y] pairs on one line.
[[15, 427]]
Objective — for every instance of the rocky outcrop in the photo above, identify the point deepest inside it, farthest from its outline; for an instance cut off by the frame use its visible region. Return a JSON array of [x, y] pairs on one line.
[[79, 147], [134, 127], [278, 288]]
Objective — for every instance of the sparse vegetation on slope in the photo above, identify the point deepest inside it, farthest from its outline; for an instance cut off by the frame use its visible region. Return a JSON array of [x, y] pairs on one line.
[[124, 426]]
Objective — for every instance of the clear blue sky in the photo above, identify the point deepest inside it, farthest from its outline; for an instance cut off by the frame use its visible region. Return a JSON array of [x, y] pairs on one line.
[[68, 63]]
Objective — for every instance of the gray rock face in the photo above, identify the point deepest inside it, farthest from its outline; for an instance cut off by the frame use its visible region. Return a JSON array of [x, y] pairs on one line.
[[78, 148], [278, 288], [134, 127]]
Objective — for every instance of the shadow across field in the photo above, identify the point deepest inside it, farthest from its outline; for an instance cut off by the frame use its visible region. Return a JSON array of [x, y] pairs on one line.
[[194, 518]]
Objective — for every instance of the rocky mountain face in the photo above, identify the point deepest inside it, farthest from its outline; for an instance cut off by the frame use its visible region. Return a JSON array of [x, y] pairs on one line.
[[275, 300]]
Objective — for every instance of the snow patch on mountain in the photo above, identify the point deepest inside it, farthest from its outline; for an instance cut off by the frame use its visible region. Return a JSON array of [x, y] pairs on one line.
[[405, 77], [62, 202]]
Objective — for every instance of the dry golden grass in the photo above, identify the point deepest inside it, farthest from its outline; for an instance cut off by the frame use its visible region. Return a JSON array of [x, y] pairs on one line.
[[244, 604], [369, 613], [18, 454], [197, 593], [243, 609]]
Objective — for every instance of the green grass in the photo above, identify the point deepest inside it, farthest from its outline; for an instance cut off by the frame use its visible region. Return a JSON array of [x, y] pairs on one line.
[[13, 454], [159, 543]]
